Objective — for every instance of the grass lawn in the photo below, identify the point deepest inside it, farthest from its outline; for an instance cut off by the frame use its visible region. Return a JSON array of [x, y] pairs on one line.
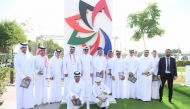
[[182, 89], [180, 100]]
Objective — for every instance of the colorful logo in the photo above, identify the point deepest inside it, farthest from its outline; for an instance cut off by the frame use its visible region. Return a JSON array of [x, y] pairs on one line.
[[101, 6]]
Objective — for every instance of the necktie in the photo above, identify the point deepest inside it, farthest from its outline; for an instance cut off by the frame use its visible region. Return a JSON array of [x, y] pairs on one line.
[[168, 64]]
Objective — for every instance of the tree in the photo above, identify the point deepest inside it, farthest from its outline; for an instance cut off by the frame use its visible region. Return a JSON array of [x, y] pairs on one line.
[[11, 33], [50, 45], [146, 23], [176, 51]]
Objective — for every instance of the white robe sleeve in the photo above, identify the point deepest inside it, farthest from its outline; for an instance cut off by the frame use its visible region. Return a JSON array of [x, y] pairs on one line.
[[105, 64], [79, 65], [70, 90], [152, 66], [82, 93], [32, 67], [94, 90], [36, 69], [64, 68], [49, 70], [91, 64], [106, 89], [18, 70]]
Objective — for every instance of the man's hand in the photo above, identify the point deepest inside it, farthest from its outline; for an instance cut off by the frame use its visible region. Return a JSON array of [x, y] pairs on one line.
[[158, 76], [131, 74], [105, 93], [122, 77], [175, 77], [113, 77], [109, 73], [66, 75], [74, 97], [51, 78], [27, 78], [40, 73]]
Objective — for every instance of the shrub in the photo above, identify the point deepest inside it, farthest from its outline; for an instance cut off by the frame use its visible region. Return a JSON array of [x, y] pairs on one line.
[[4, 74], [182, 63]]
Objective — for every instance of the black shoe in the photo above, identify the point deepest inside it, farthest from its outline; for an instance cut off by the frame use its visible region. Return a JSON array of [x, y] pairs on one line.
[[171, 102], [160, 101]]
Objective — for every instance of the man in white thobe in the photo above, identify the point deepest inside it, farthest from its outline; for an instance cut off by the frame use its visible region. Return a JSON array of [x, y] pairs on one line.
[[56, 76], [156, 81], [41, 76], [76, 90], [101, 93], [71, 63], [131, 66], [99, 64], [109, 69], [118, 77], [145, 77], [23, 62], [87, 73]]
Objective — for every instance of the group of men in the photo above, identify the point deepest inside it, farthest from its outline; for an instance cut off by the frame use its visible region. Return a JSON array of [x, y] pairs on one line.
[[89, 77]]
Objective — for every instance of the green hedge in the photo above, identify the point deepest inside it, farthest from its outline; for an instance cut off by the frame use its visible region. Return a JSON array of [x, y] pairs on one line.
[[182, 63], [4, 74]]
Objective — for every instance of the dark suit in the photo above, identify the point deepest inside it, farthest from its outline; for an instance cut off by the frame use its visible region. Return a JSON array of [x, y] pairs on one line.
[[167, 76]]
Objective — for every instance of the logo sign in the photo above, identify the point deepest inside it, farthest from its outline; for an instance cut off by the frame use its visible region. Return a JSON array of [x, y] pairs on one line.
[[88, 23]]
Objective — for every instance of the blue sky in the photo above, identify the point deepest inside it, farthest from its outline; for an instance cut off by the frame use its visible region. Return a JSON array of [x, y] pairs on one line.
[[47, 17]]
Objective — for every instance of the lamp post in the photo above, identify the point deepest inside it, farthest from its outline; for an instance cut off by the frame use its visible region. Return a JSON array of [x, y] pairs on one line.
[[12, 69]]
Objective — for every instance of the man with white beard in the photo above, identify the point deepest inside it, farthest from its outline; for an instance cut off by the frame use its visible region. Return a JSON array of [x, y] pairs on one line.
[[155, 80], [41, 76], [101, 93], [76, 91], [144, 69], [71, 63], [99, 64], [24, 65], [109, 69], [131, 66], [118, 77], [56, 75], [87, 73]]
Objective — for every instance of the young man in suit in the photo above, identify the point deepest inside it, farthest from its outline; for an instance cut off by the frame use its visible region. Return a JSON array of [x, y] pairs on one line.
[[167, 71]]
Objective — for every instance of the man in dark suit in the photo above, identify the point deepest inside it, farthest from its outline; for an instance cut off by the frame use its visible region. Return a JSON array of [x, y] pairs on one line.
[[167, 71]]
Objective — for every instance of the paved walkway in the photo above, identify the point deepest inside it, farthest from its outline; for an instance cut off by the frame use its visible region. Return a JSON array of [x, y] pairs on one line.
[[10, 100]]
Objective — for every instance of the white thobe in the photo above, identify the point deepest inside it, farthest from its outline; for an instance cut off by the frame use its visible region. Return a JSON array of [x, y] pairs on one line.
[[145, 82], [131, 65], [99, 64], [41, 83], [55, 69], [98, 91], [86, 69], [71, 63], [155, 84], [24, 67], [118, 85], [75, 89], [109, 67]]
